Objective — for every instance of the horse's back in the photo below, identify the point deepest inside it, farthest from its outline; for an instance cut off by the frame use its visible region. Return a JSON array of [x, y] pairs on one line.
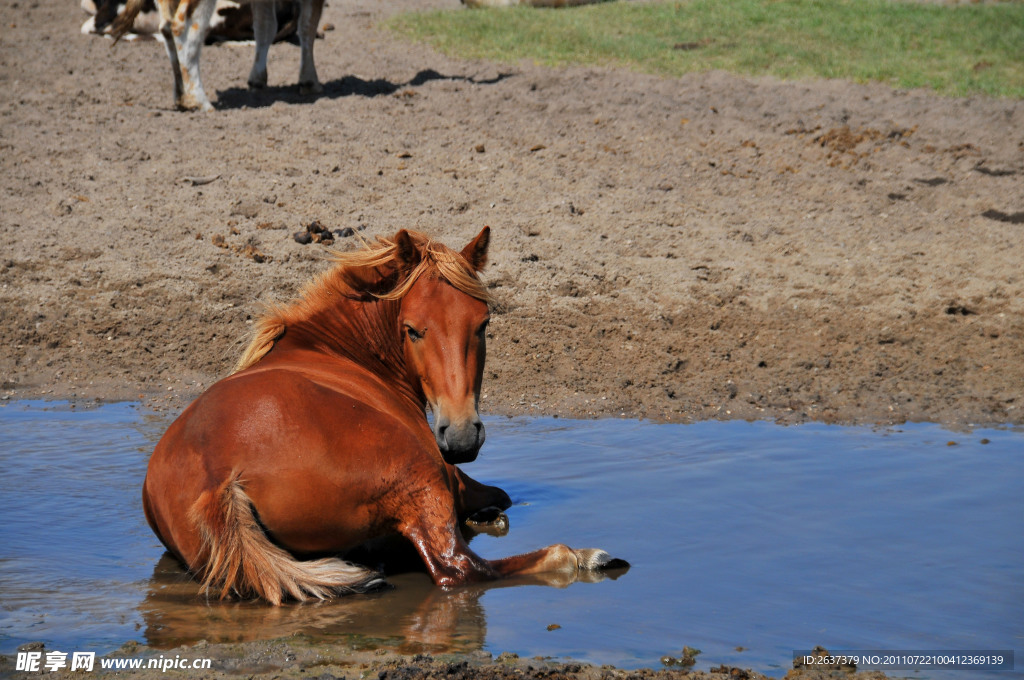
[[255, 417]]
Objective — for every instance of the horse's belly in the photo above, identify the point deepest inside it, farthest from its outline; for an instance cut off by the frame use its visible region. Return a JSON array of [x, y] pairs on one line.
[[316, 518]]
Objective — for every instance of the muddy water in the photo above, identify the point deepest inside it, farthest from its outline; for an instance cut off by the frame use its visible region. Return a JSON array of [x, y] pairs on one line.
[[741, 535]]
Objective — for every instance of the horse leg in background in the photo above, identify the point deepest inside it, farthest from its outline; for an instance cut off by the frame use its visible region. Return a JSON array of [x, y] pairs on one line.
[[309, 19], [264, 26], [184, 26], [481, 505]]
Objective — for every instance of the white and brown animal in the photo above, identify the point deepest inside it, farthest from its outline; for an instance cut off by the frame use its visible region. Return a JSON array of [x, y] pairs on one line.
[[231, 21], [184, 25]]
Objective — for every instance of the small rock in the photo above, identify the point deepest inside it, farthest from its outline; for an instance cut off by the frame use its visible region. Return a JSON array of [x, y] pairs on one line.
[[249, 210], [254, 254]]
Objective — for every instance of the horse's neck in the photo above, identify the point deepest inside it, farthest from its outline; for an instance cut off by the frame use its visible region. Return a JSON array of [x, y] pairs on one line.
[[363, 333]]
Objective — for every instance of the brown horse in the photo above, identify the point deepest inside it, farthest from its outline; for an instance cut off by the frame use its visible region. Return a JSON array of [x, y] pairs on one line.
[[319, 441]]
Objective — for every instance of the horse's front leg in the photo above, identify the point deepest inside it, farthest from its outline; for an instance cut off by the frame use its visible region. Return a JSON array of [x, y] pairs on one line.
[[560, 559], [433, 531]]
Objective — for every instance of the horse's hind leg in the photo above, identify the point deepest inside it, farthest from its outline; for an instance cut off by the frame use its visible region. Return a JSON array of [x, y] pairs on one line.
[[309, 19], [236, 555], [264, 23]]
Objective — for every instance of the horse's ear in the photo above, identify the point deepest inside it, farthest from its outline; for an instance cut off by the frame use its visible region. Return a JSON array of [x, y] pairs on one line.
[[476, 252], [406, 252]]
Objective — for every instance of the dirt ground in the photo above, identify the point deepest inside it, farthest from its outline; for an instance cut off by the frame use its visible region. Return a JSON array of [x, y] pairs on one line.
[[298, 658], [707, 247]]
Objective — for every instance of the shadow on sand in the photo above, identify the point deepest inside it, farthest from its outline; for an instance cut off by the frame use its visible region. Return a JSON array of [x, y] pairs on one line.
[[348, 86]]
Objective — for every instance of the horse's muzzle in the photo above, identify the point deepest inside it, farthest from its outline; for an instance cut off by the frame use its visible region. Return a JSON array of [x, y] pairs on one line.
[[459, 442]]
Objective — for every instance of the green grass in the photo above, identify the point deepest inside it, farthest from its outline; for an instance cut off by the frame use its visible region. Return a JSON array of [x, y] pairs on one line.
[[955, 50]]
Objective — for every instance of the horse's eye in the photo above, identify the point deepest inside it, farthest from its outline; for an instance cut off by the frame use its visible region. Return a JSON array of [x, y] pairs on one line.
[[413, 334]]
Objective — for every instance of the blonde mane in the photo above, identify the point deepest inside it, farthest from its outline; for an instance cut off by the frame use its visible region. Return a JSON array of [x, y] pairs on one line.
[[359, 274]]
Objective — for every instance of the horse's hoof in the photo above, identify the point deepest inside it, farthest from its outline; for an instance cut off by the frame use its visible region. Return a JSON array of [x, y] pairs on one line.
[[487, 515], [491, 521], [310, 88], [594, 559], [257, 85]]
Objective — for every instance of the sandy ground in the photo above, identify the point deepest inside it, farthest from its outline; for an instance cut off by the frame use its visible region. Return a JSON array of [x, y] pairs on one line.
[[712, 246]]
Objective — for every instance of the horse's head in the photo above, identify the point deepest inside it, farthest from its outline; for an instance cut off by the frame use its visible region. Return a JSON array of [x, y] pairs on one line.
[[443, 331]]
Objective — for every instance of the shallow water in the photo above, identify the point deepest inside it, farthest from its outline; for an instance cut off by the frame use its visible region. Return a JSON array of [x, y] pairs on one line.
[[748, 535]]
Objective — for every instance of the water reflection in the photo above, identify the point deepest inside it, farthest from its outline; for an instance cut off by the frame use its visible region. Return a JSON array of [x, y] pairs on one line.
[[411, 616]]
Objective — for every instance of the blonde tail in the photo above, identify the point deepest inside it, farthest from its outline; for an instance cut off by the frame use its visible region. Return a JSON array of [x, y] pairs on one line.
[[240, 559]]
